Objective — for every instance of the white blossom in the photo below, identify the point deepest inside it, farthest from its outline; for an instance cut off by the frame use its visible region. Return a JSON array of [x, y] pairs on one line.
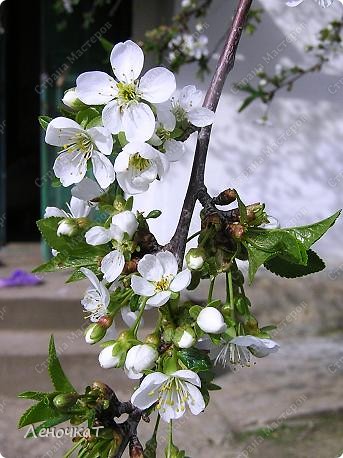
[[239, 350], [139, 359], [77, 209], [80, 145], [122, 223], [125, 97], [193, 46], [210, 320], [138, 165], [173, 393], [322, 3], [97, 297], [186, 340], [159, 278], [185, 107], [173, 149], [107, 360]]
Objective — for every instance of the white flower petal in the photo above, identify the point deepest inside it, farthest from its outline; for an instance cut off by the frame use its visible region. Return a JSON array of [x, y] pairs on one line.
[[159, 299], [112, 117], [79, 208], [174, 150], [126, 221], [95, 88], [165, 116], [121, 163], [147, 393], [54, 211], [195, 401], [138, 122], [190, 98], [129, 187], [142, 287], [61, 131], [98, 235], [157, 85], [129, 317], [91, 277], [150, 268], [87, 190], [127, 61], [181, 281], [112, 265], [70, 168], [201, 117], [103, 169], [189, 376], [168, 262], [102, 138], [294, 2]]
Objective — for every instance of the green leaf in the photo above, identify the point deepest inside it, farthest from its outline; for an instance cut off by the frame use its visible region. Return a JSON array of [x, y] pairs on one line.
[[57, 375], [106, 44], [194, 311], [35, 395], [122, 139], [243, 216], [44, 121], [194, 359], [257, 258], [150, 450], [56, 420], [84, 117], [283, 268], [75, 246], [308, 235], [38, 412], [62, 262]]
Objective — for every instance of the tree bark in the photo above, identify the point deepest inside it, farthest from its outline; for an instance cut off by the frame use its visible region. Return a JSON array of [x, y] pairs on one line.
[[196, 188]]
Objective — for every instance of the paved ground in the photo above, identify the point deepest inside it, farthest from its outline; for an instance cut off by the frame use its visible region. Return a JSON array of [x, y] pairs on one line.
[[289, 405]]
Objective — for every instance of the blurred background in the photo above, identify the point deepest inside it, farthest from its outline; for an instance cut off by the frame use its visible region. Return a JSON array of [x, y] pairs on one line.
[[288, 405]]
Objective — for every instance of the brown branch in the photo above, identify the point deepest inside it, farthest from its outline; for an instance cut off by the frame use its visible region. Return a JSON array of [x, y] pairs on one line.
[[196, 188]]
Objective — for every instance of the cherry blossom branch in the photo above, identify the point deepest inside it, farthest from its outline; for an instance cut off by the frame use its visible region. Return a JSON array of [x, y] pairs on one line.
[[196, 188]]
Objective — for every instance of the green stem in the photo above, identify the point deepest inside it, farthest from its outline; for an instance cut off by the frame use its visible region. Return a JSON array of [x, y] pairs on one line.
[[74, 447], [193, 236], [139, 317], [210, 291], [230, 285], [170, 439]]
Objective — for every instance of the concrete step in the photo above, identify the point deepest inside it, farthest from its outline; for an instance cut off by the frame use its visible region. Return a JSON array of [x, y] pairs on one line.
[[302, 381], [305, 306]]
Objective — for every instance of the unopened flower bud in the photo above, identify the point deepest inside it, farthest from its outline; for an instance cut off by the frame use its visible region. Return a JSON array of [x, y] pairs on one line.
[[195, 258], [184, 338], [109, 358], [139, 359], [236, 230], [65, 401], [94, 333], [210, 320], [67, 227], [106, 321], [226, 197], [70, 100]]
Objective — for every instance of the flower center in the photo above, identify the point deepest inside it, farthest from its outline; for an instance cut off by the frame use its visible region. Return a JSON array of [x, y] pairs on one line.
[[179, 112], [163, 134], [81, 142], [163, 284], [127, 93], [138, 162]]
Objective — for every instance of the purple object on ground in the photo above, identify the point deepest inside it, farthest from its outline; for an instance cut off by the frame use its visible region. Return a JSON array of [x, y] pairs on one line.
[[20, 278]]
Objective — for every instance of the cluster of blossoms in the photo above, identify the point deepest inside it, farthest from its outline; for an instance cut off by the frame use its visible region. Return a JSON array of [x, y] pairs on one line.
[[191, 46], [322, 3], [125, 131]]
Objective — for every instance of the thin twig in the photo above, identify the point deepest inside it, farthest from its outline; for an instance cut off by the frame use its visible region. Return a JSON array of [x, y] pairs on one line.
[[196, 185]]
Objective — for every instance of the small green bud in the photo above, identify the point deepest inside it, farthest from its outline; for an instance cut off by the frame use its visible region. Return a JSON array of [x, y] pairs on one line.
[[153, 339], [168, 334], [94, 333], [65, 401]]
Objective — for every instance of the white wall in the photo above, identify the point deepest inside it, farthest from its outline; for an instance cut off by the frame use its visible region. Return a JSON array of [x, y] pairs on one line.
[[301, 177]]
